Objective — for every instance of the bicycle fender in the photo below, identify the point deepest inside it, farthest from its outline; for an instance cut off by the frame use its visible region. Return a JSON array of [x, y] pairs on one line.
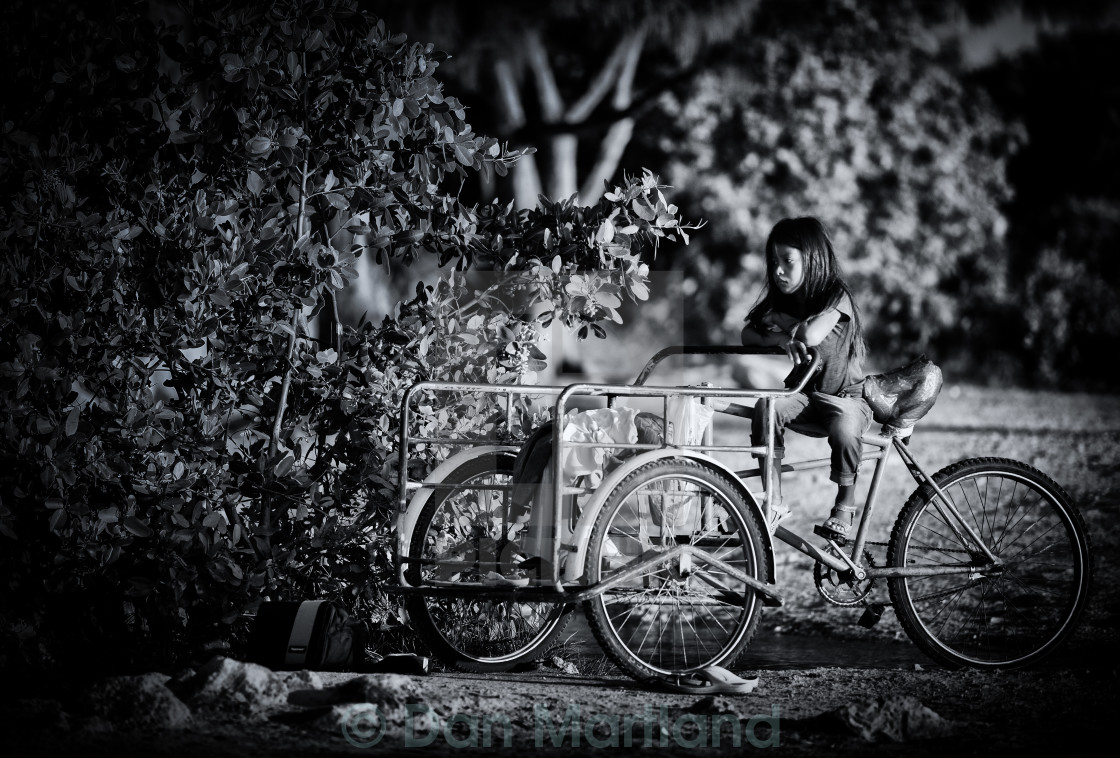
[[582, 533], [406, 520]]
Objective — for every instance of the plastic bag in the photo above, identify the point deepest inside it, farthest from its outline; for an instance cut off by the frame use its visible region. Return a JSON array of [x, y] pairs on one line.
[[900, 397], [688, 420], [672, 507]]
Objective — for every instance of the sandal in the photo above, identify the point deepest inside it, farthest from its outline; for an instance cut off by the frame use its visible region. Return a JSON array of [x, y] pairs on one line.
[[837, 525], [710, 680]]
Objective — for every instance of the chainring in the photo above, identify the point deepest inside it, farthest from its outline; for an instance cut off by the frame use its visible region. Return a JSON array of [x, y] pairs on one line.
[[842, 588]]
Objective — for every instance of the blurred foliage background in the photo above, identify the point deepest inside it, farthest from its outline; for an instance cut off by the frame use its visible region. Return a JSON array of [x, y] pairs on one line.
[[963, 154]]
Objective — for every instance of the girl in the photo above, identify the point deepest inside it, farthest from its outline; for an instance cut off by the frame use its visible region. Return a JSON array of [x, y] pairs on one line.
[[807, 303]]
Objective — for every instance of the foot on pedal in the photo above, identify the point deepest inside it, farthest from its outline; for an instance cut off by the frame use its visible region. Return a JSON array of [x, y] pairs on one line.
[[833, 535]]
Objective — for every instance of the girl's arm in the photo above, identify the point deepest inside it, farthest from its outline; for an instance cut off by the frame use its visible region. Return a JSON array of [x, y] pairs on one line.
[[754, 337], [769, 330], [776, 329], [781, 330], [812, 331]]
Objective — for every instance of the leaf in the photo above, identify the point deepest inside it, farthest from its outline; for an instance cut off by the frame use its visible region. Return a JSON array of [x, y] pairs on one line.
[[605, 233], [71, 426], [463, 154], [57, 519], [254, 183], [643, 210], [285, 465], [137, 527], [183, 137], [259, 145], [337, 200]]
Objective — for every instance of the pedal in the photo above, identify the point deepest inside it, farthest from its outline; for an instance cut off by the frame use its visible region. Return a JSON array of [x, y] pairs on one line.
[[828, 534], [772, 601], [871, 615]]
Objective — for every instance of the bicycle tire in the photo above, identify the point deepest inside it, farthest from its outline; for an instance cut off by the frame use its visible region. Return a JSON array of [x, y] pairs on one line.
[[989, 617], [674, 619], [474, 634]]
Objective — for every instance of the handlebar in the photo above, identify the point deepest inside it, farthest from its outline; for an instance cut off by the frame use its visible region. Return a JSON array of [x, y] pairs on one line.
[[651, 364]]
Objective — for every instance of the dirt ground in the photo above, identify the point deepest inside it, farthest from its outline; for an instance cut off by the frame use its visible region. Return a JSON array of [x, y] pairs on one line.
[[826, 685], [795, 712]]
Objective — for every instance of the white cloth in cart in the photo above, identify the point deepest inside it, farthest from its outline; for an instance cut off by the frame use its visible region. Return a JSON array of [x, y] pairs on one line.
[[601, 426]]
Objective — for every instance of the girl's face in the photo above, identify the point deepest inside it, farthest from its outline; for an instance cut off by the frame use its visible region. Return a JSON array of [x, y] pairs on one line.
[[788, 269]]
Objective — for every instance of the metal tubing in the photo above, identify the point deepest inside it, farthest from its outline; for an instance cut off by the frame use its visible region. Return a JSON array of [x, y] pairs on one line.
[[942, 502], [796, 541], [887, 572], [768, 474], [557, 493], [869, 502], [753, 582]]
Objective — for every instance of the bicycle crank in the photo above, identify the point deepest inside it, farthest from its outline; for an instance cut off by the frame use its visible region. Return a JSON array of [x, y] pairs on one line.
[[842, 587]]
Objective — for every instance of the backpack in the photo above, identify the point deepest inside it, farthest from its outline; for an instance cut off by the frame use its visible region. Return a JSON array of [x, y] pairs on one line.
[[313, 634]]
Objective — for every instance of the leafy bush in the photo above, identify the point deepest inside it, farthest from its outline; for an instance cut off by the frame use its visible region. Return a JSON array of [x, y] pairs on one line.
[[178, 443]]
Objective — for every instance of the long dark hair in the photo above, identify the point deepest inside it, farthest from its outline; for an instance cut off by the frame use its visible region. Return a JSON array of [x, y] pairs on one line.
[[823, 286]]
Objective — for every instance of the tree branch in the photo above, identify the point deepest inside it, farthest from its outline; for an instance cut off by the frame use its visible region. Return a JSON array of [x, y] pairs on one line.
[[508, 95], [552, 104], [600, 86], [526, 179], [618, 135]]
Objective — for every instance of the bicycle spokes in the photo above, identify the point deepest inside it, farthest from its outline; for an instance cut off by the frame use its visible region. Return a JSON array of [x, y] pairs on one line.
[[1005, 610]]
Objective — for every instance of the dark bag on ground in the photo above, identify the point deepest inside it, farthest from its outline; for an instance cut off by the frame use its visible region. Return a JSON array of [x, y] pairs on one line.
[[313, 634], [900, 397]]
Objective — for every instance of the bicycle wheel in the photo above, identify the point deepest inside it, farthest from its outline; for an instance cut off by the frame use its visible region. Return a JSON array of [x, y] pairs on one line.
[[1004, 615], [458, 537], [684, 613]]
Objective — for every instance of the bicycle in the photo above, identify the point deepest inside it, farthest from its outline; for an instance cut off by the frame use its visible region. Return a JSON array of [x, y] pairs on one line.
[[988, 563]]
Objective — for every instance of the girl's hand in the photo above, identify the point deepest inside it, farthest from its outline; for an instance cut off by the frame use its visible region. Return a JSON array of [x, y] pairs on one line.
[[797, 351]]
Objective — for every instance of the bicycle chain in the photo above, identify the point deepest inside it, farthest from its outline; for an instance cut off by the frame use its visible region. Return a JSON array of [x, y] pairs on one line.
[[940, 593]]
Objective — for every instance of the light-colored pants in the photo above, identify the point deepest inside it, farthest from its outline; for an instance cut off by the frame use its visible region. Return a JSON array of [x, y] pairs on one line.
[[844, 418]]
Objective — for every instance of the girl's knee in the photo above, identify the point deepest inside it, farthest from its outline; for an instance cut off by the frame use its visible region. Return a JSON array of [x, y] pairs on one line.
[[851, 425], [846, 432]]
